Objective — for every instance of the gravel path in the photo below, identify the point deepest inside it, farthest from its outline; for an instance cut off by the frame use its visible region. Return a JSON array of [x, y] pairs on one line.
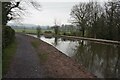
[[26, 63]]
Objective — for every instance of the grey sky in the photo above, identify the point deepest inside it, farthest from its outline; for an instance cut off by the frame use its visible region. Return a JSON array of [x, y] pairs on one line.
[[49, 12]]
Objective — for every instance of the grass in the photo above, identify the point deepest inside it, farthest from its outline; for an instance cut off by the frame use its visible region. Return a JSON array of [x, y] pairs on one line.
[[31, 30], [7, 56], [35, 43], [26, 30], [42, 55]]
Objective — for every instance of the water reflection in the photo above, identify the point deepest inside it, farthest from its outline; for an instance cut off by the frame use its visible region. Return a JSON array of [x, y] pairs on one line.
[[103, 60], [49, 37], [66, 46], [100, 59], [56, 41]]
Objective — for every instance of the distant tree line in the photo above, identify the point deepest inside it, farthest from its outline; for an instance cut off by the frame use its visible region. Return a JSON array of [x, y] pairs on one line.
[[98, 20], [69, 30]]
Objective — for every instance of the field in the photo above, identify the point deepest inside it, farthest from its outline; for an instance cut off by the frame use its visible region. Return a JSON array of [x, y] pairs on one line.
[[32, 31], [26, 30], [50, 31]]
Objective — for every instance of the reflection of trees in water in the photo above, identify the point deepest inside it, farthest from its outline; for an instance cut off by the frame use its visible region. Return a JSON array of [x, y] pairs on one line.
[[62, 39], [117, 66], [49, 37], [99, 58], [56, 41], [67, 39]]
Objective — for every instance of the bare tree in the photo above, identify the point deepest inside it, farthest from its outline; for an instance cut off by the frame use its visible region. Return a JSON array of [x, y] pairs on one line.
[[80, 14], [13, 10], [85, 15], [56, 27], [113, 18], [95, 14], [38, 31]]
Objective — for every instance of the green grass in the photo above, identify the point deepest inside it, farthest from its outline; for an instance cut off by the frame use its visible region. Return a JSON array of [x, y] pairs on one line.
[[7, 56], [42, 55], [34, 31], [26, 30], [35, 43]]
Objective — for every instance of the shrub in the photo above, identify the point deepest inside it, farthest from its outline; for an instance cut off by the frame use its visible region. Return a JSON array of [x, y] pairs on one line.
[[48, 32], [8, 35]]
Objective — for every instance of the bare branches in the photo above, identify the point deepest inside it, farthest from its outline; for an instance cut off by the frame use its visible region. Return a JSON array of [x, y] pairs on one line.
[[36, 5], [16, 10], [99, 21], [85, 14]]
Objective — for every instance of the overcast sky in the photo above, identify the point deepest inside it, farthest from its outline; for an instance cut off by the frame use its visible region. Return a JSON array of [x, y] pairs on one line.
[[49, 12]]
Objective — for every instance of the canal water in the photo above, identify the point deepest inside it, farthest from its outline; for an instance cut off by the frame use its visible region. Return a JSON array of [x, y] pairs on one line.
[[103, 60]]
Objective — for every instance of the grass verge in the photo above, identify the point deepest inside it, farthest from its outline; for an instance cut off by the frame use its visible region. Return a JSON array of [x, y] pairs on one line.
[[35, 43], [7, 56], [42, 55]]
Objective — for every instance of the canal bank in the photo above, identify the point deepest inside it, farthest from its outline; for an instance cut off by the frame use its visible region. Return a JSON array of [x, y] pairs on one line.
[[56, 64], [102, 59], [85, 38], [91, 39]]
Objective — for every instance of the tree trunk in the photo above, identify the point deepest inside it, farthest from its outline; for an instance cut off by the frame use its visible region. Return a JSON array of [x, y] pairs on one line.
[[83, 32]]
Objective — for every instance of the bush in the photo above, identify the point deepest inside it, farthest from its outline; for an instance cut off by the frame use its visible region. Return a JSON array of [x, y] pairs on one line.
[[64, 33], [49, 32], [8, 35]]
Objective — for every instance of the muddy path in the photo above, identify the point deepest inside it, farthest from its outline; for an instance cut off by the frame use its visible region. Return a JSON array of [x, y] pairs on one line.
[[26, 63]]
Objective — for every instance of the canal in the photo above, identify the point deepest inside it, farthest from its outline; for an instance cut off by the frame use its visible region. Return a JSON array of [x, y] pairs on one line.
[[101, 59]]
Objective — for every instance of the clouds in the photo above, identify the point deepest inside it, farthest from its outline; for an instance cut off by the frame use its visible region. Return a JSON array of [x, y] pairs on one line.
[[70, 0], [50, 11]]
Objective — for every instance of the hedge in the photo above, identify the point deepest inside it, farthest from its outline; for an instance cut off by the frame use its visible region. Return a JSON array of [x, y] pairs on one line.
[[8, 35]]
